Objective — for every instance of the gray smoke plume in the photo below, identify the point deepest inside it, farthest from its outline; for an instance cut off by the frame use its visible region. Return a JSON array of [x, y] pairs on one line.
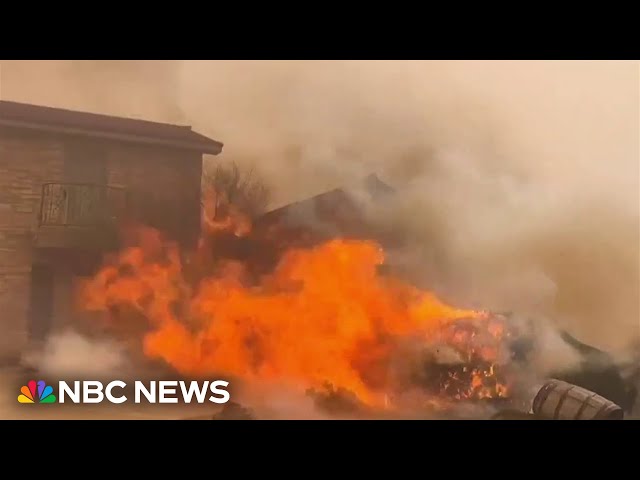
[[519, 178]]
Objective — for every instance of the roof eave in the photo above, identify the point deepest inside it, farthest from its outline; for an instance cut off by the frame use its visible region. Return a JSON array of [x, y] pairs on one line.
[[211, 147]]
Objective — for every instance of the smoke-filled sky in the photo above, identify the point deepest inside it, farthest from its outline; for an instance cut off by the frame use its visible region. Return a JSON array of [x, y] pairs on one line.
[[521, 178]]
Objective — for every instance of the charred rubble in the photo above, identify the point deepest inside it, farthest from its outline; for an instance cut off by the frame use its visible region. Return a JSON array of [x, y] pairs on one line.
[[468, 383], [596, 388], [596, 371]]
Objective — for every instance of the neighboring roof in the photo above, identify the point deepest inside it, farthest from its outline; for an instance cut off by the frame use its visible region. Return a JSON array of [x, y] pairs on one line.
[[339, 198], [58, 120], [332, 198], [376, 188]]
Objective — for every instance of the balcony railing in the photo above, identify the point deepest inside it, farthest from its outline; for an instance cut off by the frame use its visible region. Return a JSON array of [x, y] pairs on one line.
[[82, 205]]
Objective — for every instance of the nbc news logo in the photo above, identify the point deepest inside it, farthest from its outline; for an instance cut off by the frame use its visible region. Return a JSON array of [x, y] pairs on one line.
[[92, 391]]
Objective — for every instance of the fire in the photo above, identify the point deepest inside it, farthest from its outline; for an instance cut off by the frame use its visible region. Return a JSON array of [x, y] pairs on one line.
[[479, 342], [324, 315], [219, 215]]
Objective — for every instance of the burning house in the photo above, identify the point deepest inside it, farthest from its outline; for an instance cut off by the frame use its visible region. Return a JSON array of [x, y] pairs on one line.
[[69, 180]]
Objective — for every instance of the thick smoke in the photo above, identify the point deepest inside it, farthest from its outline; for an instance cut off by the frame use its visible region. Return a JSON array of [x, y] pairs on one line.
[[519, 179]]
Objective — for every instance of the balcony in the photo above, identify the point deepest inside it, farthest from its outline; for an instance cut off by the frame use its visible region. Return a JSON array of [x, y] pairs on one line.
[[82, 216]]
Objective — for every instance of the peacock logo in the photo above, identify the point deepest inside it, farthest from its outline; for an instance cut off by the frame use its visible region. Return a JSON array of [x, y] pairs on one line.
[[38, 392]]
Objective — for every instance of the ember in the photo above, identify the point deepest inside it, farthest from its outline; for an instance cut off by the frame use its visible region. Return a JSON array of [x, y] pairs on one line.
[[479, 342]]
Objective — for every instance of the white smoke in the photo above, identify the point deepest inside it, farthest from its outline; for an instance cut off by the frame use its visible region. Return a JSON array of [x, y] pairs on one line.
[[69, 354]]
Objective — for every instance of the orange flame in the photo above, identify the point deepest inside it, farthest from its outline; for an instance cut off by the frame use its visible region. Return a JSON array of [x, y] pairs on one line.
[[324, 314], [219, 215]]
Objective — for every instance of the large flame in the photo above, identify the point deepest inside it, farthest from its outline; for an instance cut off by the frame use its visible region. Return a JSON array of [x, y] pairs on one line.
[[324, 315]]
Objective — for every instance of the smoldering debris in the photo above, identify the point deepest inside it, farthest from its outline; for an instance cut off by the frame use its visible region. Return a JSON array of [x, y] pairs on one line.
[[549, 399], [591, 386], [545, 351]]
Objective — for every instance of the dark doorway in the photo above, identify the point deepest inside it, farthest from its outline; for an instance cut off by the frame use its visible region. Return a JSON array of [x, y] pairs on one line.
[[41, 302]]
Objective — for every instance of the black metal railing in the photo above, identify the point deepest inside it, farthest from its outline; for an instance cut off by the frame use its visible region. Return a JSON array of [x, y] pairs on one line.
[[82, 205]]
